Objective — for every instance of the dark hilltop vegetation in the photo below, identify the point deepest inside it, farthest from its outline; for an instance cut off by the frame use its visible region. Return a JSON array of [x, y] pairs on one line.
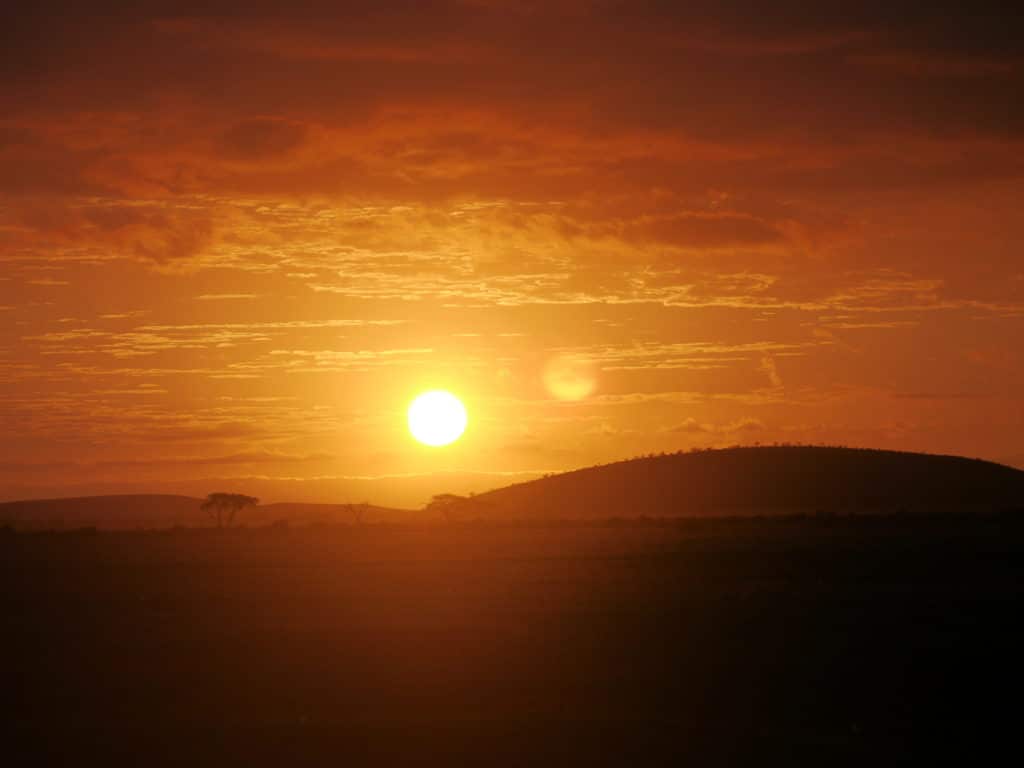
[[764, 480]]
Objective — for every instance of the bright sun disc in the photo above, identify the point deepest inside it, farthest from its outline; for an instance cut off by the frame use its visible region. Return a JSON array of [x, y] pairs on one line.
[[437, 418]]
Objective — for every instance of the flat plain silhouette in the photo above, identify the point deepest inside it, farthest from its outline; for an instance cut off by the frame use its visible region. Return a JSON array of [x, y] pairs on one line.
[[161, 511], [838, 639]]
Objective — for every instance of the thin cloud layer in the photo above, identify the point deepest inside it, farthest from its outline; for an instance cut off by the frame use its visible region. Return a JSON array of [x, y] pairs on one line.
[[248, 230]]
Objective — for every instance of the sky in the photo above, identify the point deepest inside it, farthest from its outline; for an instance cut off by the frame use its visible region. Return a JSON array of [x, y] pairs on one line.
[[236, 239]]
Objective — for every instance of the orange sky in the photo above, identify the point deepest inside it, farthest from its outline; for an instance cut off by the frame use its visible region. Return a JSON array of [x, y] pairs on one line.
[[237, 238]]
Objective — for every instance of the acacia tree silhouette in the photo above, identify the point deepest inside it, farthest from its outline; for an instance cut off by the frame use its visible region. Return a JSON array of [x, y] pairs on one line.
[[359, 512], [446, 505], [222, 507], [459, 509]]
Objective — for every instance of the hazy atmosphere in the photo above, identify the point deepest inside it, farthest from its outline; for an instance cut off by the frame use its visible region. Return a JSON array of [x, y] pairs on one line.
[[491, 383], [238, 239]]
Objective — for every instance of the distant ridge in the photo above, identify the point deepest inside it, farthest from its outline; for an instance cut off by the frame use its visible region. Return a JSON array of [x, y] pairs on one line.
[[126, 511], [729, 482], [762, 481], [149, 511]]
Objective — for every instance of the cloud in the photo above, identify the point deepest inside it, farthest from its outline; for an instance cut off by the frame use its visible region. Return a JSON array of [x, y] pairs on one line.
[[769, 367], [946, 66], [151, 339], [261, 138], [709, 231], [157, 231], [226, 296], [252, 457], [691, 426], [743, 425], [722, 211]]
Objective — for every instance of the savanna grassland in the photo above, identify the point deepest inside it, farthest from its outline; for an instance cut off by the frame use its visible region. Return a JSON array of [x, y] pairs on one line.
[[821, 640]]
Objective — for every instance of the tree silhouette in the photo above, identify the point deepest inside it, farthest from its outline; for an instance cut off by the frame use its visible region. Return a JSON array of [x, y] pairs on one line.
[[454, 508], [222, 507], [358, 512], [446, 505]]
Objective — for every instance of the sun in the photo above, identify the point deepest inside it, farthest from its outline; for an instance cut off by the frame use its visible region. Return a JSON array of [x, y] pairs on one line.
[[437, 418]]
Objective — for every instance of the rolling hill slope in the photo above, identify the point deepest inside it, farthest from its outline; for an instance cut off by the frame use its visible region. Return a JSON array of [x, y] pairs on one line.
[[764, 480], [715, 483]]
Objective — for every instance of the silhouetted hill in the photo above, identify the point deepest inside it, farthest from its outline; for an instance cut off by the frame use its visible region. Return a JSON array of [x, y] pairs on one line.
[[129, 511], [715, 483], [763, 480], [166, 511]]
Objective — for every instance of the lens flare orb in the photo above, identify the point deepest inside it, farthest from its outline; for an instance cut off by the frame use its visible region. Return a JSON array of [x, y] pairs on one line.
[[570, 378]]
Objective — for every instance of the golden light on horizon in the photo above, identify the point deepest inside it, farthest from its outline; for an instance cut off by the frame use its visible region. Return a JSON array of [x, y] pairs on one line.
[[437, 418], [621, 243]]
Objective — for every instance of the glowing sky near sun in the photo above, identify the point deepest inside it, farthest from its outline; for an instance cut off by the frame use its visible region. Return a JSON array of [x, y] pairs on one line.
[[238, 238]]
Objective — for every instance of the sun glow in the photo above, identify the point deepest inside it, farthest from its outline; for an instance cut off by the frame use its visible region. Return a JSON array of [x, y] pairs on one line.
[[437, 418]]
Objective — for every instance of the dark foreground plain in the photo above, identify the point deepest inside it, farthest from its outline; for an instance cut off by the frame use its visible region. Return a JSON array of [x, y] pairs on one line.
[[803, 641]]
